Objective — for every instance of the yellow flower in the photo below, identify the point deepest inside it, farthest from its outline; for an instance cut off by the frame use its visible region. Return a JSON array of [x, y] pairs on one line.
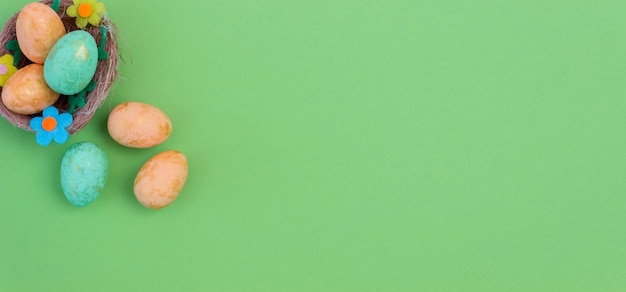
[[6, 68], [86, 11]]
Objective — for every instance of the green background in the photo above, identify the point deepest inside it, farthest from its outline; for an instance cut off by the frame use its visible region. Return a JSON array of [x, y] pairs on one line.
[[345, 146]]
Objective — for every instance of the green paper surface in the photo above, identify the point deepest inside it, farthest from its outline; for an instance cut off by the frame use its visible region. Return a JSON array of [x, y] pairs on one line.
[[345, 146]]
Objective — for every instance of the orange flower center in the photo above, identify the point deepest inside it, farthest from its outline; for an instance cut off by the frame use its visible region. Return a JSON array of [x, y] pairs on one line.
[[49, 124], [85, 10]]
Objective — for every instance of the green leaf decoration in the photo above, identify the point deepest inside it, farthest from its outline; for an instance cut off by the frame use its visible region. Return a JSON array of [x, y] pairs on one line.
[[55, 5], [102, 53], [77, 101], [14, 46]]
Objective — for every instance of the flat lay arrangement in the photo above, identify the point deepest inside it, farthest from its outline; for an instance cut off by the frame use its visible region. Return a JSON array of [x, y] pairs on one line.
[[277, 145], [58, 63]]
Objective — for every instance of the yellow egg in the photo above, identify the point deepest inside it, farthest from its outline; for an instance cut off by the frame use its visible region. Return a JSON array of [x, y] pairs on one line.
[[138, 125], [38, 28], [27, 93], [161, 179]]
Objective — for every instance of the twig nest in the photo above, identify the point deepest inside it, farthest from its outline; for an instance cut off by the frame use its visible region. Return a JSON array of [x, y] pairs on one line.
[[76, 43]]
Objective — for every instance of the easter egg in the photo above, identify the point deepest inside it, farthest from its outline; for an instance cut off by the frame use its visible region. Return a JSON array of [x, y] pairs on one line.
[[160, 180], [38, 28], [83, 173], [138, 125], [26, 92], [72, 62]]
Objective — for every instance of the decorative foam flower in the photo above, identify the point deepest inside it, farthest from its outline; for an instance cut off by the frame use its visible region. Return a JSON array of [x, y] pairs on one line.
[[6, 68], [86, 11], [51, 126]]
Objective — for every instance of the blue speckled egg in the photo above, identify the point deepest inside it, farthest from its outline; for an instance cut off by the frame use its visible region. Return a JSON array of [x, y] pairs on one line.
[[71, 63], [83, 173]]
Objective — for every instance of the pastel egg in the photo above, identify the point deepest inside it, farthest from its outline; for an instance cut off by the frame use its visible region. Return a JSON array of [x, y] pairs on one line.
[[26, 92], [83, 173], [72, 63], [160, 180], [38, 28], [138, 125]]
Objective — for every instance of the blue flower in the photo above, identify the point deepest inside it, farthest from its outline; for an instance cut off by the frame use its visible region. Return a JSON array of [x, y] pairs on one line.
[[51, 126]]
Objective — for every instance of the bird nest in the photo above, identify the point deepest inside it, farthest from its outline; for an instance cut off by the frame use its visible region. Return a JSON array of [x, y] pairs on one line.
[[106, 70]]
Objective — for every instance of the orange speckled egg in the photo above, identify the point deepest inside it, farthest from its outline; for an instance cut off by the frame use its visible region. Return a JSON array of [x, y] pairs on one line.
[[27, 93], [38, 28], [138, 125], [161, 179]]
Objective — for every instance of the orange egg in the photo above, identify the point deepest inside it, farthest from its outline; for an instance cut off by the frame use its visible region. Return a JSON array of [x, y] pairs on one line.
[[38, 28], [27, 93], [160, 180], [138, 125]]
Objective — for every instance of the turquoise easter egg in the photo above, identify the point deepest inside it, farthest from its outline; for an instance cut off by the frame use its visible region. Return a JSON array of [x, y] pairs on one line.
[[71, 63], [83, 173]]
